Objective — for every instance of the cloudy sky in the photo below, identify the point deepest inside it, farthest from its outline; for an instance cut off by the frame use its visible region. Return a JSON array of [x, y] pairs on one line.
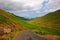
[[30, 8]]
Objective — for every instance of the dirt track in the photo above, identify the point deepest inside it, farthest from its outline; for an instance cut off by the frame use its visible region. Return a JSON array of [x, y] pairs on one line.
[[28, 35]]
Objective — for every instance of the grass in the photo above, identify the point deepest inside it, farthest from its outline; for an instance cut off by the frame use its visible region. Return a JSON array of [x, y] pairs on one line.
[[46, 30], [50, 31], [3, 19]]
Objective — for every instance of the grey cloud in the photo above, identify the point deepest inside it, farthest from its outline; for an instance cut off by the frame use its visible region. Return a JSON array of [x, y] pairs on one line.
[[53, 5], [9, 5], [19, 6]]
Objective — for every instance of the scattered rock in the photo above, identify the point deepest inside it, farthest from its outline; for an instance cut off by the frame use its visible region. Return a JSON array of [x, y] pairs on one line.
[[1, 31]]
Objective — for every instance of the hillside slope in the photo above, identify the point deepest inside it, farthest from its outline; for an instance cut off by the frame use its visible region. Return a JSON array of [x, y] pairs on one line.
[[6, 17], [12, 25], [9, 27], [6, 21], [51, 20], [10, 22]]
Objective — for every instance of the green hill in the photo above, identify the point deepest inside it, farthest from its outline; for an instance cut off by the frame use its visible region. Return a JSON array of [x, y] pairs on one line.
[[16, 24], [11, 17], [8, 24], [50, 20]]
